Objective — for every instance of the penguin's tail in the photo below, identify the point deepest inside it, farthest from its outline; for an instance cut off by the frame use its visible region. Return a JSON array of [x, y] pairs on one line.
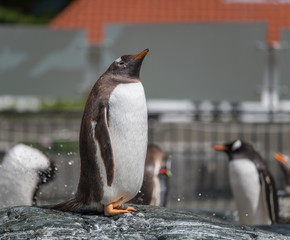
[[68, 206]]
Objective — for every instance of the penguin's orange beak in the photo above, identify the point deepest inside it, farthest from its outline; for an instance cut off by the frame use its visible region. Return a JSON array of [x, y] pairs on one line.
[[220, 148], [281, 158], [141, 54]]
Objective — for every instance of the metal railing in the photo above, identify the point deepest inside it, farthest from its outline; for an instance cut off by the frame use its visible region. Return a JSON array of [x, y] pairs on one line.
[[199, 174]]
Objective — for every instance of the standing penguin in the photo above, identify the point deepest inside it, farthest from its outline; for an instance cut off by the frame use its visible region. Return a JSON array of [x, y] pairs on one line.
[[22, 170], [154, 190], [285, 166], [252, 184], [113, 140]]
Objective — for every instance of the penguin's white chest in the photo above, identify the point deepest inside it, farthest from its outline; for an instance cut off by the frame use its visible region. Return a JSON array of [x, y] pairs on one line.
[[246, 188], [128, 129]]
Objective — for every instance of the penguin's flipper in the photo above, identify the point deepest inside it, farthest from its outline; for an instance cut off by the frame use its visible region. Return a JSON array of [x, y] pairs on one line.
[[103, 137], [269, 194]]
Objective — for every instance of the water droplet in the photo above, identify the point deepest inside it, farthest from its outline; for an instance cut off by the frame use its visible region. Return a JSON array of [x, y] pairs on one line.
[[178, 199], [58, 154], [65, 186], [61, 145], [199, 194], [49, 147], [213, 214], [247, 215]]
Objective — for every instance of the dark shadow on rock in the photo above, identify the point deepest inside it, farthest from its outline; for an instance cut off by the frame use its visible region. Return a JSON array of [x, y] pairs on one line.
[[277, 228], [79, 211]]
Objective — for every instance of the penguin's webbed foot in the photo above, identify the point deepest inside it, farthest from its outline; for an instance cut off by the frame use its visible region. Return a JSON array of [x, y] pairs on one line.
[[128, 208], [132, 209], [111, 210]]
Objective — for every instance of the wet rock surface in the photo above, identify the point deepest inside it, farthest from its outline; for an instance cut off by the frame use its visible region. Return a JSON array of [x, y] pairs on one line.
[[149, 223]]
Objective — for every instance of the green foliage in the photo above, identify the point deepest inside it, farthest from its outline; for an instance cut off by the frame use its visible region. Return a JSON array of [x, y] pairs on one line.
[[62, 104], [57, 147], [30, 11], [8, 15]]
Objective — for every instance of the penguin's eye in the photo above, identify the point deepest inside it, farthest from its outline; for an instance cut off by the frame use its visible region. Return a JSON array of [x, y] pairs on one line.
[[121, 63]]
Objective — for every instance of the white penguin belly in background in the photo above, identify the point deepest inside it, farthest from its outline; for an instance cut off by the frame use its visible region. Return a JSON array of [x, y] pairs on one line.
[[128, 133], [157, 188], [19, 175], [246, 188]]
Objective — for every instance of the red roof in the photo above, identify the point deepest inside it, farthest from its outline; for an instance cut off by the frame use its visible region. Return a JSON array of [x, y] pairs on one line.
[[93, 15]]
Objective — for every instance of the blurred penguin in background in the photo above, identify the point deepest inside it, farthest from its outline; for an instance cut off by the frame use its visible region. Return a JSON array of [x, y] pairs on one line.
[[22, 171], [252, 185], [284, 162], [155, 187]]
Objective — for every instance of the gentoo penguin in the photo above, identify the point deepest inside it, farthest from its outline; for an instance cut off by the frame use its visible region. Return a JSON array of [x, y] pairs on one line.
[[22, 170], [251, 183], [285, 166], [154, 190], [113, 140]]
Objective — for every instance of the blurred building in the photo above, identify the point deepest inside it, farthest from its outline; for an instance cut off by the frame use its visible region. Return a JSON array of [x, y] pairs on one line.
[[94, 15], [216, 50], [227, 50], [40, 63]]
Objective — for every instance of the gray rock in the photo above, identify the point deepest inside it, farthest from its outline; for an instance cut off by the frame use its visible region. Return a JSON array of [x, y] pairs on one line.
[[149, 223]]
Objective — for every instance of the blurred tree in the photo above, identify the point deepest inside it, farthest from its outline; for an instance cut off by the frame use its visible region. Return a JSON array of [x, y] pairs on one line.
[[30, 11]]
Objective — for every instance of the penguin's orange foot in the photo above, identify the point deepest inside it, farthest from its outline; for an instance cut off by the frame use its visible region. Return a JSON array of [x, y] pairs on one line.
[[128, 208], [111, 210], [132, 209]]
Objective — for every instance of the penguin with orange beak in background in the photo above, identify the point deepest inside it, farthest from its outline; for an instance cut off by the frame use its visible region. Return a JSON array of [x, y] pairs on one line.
[[252, 185], [285, 166], [155, 187]]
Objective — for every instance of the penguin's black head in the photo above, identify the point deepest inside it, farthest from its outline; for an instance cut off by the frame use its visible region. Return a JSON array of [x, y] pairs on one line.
[[236, 149], [284, 161], [128, 65]]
